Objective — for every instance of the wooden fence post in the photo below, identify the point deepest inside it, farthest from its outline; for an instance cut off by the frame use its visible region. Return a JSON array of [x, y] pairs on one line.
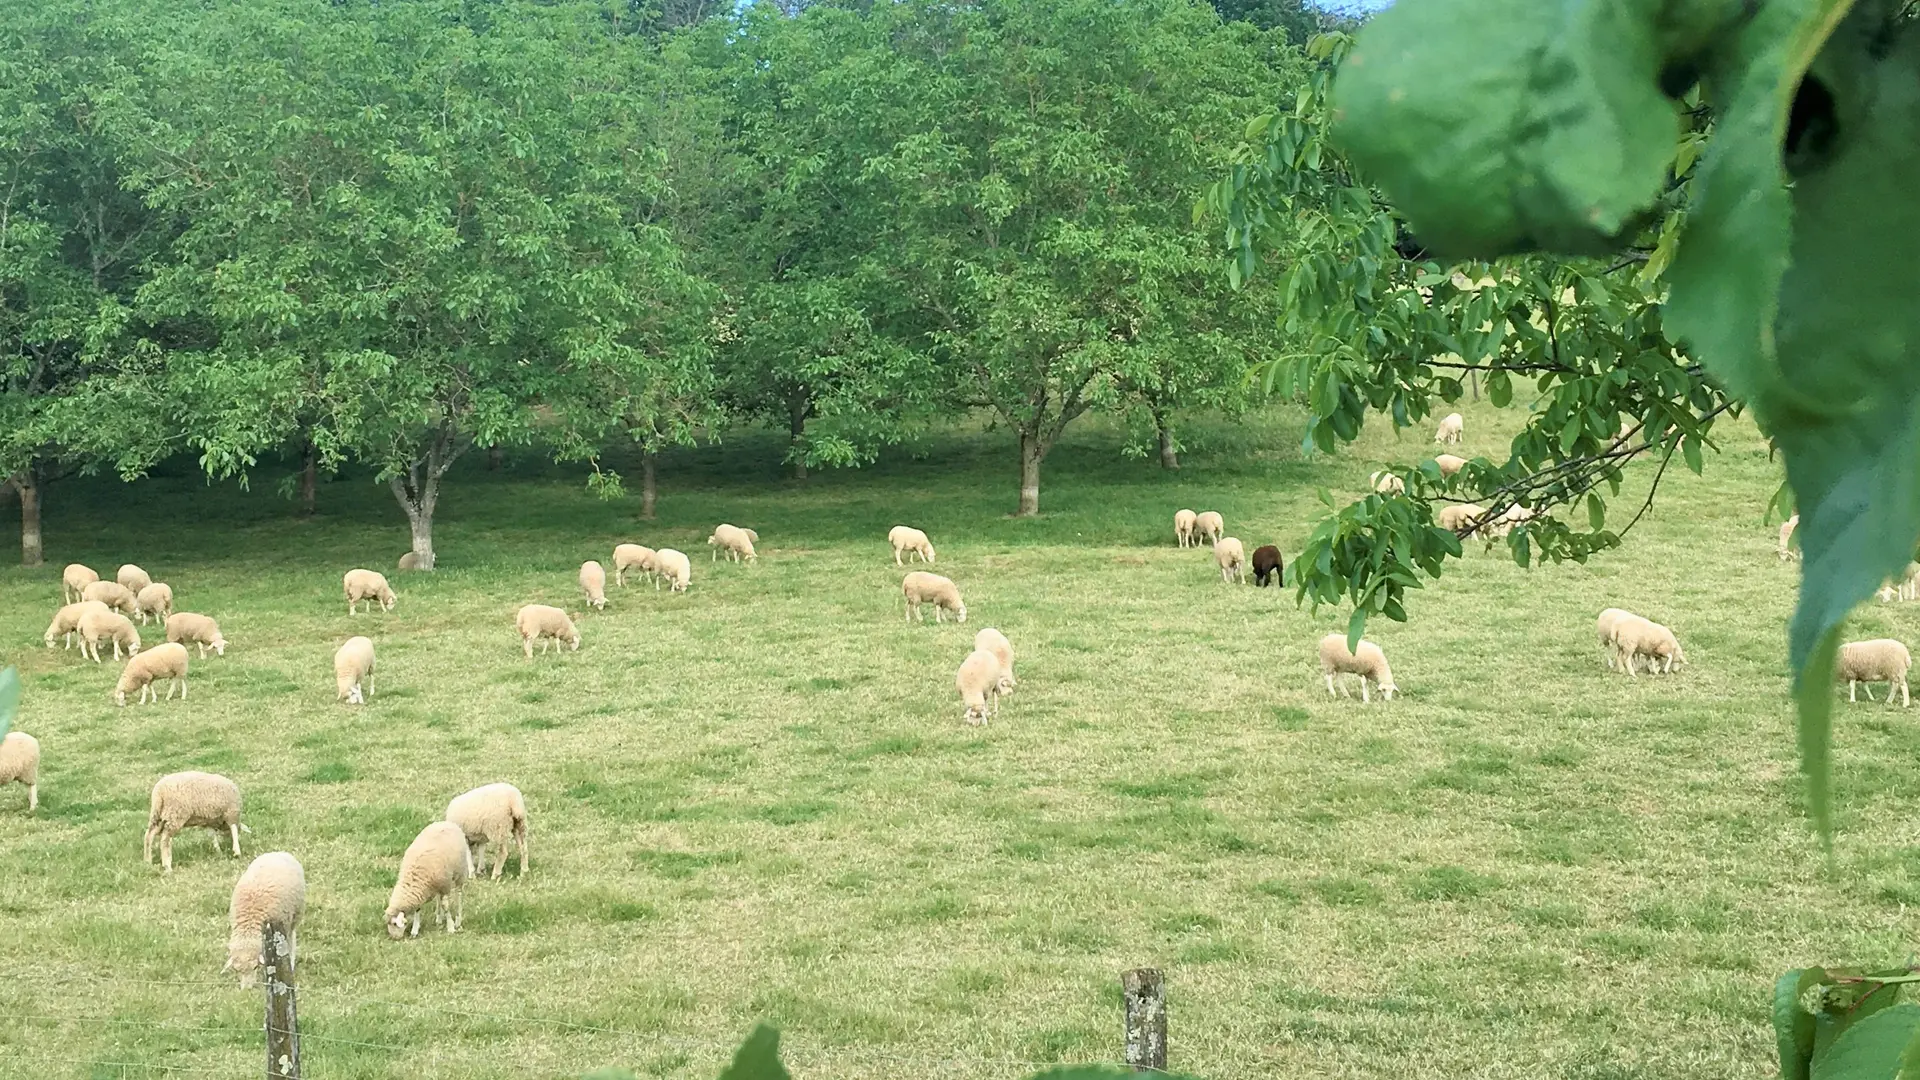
[[283, 1028], [1145, 994]]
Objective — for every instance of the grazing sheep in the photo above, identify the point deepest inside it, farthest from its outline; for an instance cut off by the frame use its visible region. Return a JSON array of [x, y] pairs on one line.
[[353, 671], [910, 541], [736, 542], [979, 682], [631, 557], [20, 760], [1267, 565], [1502, 525], [1604, 627], [97, 626], [674, 567], [435, 868], [1185, 524], [593, 582], [492, 815], [1369, 663], [995, 642], [1386, 483], [1449, 463], [1231, 556], [272, 889], [1210, 524], [1452, 428], [132, 578], [413, 560], [156, 600], [66, 621], [1909, 587], [167, 661], [74, 581], [1459, 516], [1787, 554], [921, 587], [538, 622], [189, 628], [1635, 637], [1881, 660], [368, 585], [188, 800], [114, 595]]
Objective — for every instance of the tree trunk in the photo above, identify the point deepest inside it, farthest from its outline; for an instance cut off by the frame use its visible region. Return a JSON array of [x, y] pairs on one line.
[[417, 497], [1164, 432], [309, 480], [495, 456], [797, 430], [649, 490], [1031, 452], [32, 553]]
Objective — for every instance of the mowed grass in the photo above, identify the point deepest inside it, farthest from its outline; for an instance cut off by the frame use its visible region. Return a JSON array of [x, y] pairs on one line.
[[757, 801]]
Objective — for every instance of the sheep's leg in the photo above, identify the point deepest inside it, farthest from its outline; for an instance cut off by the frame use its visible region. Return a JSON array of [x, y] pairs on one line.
[[520, 834], [33, 797], [416, 925], [1365, 698], [499, 859], [235, 830], [459, 909], [146, 843], [166, 850], [526, 644], [1868, 687], [1851, 684]]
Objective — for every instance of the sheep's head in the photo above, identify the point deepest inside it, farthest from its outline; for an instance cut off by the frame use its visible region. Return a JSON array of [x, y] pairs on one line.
[[976, 714], [961, 614], [120, 698], [219, 645], [396, 924], [928, 552]]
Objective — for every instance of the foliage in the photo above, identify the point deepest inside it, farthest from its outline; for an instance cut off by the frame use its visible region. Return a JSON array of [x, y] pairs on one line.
[[9, 698]]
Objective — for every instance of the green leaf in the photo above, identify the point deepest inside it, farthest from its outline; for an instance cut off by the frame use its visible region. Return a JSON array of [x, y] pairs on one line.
[[1872, 1048], [9, 698], [1792, 1024], [1356, 626], [1596, 512], [1690, 450], [758, 1058]]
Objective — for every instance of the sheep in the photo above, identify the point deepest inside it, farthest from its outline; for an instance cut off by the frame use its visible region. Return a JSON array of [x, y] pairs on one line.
[[413, 560], [168, 661], [921, 587], [1503, 523], [114, 595], [909, 541], [435, 867], [97, 625], [494, 814], [1267, 565], [1460, 516], [1604, 627], [631, 557], [1909, 587], [189, 628], [156, 600], [272, 889], [74, 580], [20, 760], [593, 582], [1450, 464], [1634, 637], [1452, 428], [979, 680], [1231, 555], [1209, 524], [66, 621], [353, 671], [995, 642], [1185, 524], [538, 622], [736, 542], [132, 578], [368, 585], [1787, 554], [674, 567], [1881, 660], [1369, 663], [186, 800], [1386, 483]]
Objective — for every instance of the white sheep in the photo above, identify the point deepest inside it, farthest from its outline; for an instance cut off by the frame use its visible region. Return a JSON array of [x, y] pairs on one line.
[[167, 661], [1881, 660], [97, 626], [1787, 554], [1503, 523], [1337, 662], [1635, 637], [1604, 627], [1386, 483], [1186, 524], [413, 561], [353, 671], [189, 628], [20, 761], [188, 800], [538, 622], [979, 682], [907, 540], [1457, 516], [156, 600], [272, 889], [132, 578], [74, 581], [66, 621], [495, 814], [593, 582], [1452, 428], [1231, 556], [1210, 524], [631, 557], [1450, 464], [370, 586], [921, 587], [995, 642], [736, 542], [1909, 588], [673, 567], [114, 595], [435, 867]]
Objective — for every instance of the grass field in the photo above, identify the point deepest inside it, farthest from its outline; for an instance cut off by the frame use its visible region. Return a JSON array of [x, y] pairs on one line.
[[757, 800]]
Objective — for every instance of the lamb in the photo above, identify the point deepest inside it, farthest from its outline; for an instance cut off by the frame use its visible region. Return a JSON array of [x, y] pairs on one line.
[[1460, 516], [74, 580], [1787, 554], [370, 586], [272, 889], [1185, 524], [674, 567], [156, 600], [979, 680], [631, 557], [97, 625], [66, 621], [1210, 524], [1452, 428], [436, 867], [353, 671], [413, 560], [910, 541], [132, 578], [114, 595], [186, 800], [593, 581], [1634, 637], [995, 642], [1267, 566], [736, 542], [1604, 627], [1449, 463], [490, 815], [1231, 556], [188, 628], [1369, 663], [168, 661], [542, 623], [1881, 660], [921, 587], [1386, 483], [20, 760]]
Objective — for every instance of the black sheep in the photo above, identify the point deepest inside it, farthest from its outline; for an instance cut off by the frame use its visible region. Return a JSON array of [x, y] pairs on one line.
[[1266, 560]]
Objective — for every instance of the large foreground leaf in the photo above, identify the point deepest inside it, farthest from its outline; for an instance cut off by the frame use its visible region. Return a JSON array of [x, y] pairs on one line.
[[9, 698]]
